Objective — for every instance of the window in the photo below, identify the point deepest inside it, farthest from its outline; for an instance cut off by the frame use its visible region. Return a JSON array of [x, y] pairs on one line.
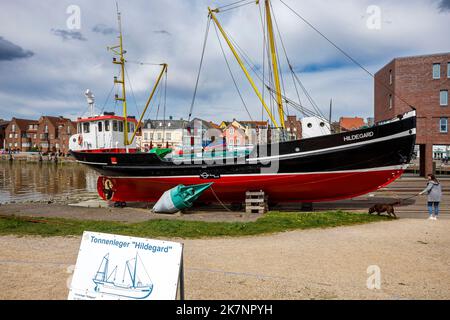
[[86, 126], [151, 136], [130, 127], [10, 135], [168, 136], [390, 76], [444, 98], [79, 128], [114, 125], [231, 130], [68, 129], [46, 129], [145, 136], [448, 70], [436, 71], [120, 126], [100, 126], [390, 101], [13, 128], [159, 135], [34, 136], [443, 123], [16, 135], [107, 125]]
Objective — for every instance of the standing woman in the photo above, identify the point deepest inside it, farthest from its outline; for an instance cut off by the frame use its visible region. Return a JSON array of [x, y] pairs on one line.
[[434, 192]]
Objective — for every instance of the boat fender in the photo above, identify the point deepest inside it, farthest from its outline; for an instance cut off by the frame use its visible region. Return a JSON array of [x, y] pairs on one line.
[[80, 139]]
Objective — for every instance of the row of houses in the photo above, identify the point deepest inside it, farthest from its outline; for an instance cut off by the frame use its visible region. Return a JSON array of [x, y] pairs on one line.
[[48, 134], [174, 133], [51, 134]]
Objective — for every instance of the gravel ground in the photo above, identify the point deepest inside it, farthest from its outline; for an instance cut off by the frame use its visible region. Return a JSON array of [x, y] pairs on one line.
[[413, 255]]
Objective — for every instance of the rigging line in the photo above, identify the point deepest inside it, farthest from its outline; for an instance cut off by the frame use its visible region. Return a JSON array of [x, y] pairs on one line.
[[132, 92], [200, 68], [293, 103], [310, 98], [285, 54], [231, 4], [231, 73], [107, 98], [348, 56], [164, 107], [144, 63], [263, 89], [238, 6], [152, 132], [277, 52]]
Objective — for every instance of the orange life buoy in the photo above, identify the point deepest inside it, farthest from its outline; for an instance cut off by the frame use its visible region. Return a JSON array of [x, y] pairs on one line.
[[80, 139]]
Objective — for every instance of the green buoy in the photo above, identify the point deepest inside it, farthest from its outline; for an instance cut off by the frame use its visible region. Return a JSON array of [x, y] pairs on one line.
[[179, 198]]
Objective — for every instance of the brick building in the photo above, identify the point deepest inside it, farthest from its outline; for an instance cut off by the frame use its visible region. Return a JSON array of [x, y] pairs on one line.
[[48, 134], [423, 82], [20, 134], [293, 127], [53, 134], [3, 125]]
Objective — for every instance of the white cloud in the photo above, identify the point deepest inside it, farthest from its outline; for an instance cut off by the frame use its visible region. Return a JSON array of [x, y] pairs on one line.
[[54, 79]]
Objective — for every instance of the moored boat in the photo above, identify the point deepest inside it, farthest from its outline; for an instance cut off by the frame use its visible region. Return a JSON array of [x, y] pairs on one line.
[[322, 167]]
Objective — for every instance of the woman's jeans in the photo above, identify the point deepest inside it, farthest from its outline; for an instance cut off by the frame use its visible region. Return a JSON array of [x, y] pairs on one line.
[[436, 208]]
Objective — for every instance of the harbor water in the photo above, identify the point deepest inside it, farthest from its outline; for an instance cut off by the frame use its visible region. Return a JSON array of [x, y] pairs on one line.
[[22, 181]]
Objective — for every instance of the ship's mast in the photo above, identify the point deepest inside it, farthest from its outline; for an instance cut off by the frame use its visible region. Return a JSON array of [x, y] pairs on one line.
[[118, 50], [212, 15], [273, 56]]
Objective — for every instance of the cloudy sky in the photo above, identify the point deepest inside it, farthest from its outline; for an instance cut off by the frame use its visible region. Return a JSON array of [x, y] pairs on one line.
[[46, 64]]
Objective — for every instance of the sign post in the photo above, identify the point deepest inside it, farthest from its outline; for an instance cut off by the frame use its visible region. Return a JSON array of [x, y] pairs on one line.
[[113, 267]]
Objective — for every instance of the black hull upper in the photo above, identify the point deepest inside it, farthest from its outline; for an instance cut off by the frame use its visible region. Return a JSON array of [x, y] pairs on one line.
[[390, 144]]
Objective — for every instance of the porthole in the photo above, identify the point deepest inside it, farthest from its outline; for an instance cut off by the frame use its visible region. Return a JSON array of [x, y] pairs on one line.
[[309, 125], [322, 124]]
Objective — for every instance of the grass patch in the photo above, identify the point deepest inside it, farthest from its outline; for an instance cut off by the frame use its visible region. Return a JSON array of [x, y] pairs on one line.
[[270, 223]]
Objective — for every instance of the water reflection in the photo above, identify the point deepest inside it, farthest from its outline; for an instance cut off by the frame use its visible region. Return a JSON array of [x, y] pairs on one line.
[[25, 181]]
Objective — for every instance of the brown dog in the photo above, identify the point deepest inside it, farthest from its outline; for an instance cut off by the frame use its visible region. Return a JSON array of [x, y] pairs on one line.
[[380, 208]]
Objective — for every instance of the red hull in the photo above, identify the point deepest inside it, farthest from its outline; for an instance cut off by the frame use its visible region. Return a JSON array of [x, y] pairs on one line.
[[304, 187]]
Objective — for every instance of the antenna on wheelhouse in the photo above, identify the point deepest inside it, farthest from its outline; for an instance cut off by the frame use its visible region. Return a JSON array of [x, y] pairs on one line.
[[90, 100], [118, 50]]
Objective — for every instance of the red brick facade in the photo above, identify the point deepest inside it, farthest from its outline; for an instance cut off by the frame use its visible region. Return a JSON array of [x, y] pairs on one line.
[[54, 134], [19, 134], [294, 127], [48, 134], [412, 80]]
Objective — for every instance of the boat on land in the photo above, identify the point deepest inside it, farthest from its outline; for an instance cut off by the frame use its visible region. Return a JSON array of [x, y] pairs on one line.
[[325, 166]]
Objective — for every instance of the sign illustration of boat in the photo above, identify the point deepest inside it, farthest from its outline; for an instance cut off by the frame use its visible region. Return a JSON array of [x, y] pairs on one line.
[[135, 282]]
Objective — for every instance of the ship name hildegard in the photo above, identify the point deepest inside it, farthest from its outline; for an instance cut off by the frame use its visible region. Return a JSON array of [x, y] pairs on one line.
[[359, 136]]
